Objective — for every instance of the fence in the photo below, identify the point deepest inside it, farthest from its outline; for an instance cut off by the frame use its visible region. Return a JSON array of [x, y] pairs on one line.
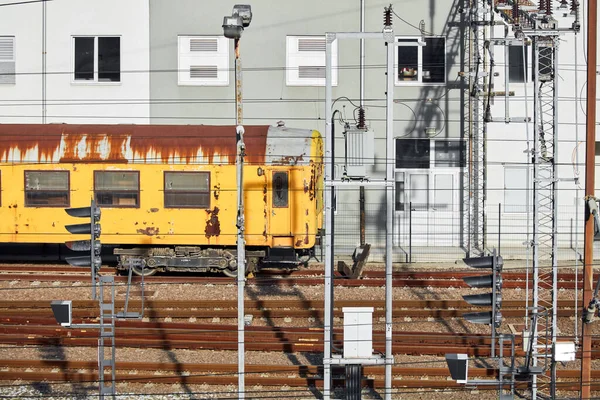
[[422, 235]]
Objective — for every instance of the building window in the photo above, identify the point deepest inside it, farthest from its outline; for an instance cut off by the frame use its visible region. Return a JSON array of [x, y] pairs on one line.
[[515, 189], [412, 153], [187, 190], [203, 61], [517, 64], [305, 61], [449, 153], [7, 59], [117, 188], [421, 64], [97, 59], [46, 188]]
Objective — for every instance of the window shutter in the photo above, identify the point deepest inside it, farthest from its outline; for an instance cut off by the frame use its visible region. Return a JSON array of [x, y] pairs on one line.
[[203, 61], [7, 60], [306, 61]]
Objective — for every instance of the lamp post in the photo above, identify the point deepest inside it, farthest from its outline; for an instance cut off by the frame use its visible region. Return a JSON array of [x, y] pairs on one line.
[[233, 26]]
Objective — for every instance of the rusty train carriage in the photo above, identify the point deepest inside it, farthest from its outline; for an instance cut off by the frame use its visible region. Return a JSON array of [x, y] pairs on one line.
[[167, 193]]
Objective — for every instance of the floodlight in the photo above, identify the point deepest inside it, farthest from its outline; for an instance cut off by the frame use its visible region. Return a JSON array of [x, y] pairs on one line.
[[233, 27], [243, 11]]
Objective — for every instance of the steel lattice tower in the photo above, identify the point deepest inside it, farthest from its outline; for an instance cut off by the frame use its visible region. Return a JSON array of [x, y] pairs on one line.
[[537, 24], [474, 177]]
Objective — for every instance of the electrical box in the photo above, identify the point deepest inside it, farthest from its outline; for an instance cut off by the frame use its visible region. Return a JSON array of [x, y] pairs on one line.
[[360, 151], [358, 332], [564, 351]]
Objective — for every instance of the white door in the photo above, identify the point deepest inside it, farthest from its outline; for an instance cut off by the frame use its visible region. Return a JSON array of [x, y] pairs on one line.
[[427, 208]]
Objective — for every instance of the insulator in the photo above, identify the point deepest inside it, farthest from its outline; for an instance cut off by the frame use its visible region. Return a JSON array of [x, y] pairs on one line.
[[549, 9], [542, 6], [361, 118], [515, 12], [574, 7], [387, 16]]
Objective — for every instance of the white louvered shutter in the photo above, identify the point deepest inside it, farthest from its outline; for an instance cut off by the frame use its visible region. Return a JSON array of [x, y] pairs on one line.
[[7, 59], [306, 61], [203, 61]]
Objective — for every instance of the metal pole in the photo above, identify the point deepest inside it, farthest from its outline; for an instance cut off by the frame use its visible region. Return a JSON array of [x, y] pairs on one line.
[[499, 224], [327, 328], [390, 164], [241, 250], [590, 153]]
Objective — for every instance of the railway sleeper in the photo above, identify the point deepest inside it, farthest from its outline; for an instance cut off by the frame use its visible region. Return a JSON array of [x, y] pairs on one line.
[[149, 261]]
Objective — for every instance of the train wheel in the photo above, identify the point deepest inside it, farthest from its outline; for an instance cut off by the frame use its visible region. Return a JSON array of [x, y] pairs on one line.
[[146, 271], [232, 273]]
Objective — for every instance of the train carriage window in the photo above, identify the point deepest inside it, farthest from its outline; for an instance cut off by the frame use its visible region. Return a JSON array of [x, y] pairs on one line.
[[280, 189], [46, 188], [187, 190], [117, 188]]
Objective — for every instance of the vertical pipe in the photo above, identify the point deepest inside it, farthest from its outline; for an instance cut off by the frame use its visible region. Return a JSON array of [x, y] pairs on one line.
[[590, 155], [410, 232], [390, 164], [44, 51], [328, 160], [362, 216], [241, 250], [362, 55]]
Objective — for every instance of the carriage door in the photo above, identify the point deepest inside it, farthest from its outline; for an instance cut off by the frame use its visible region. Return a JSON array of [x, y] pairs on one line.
[[280, 219]]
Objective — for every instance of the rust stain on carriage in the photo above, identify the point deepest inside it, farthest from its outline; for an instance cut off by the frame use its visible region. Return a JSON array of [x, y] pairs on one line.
[[149, 231], [213, 226], [288, 160], [129, 143]]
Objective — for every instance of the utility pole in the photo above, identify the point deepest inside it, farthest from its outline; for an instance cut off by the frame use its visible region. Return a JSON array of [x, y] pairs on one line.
[[232, 28], [590, 155]]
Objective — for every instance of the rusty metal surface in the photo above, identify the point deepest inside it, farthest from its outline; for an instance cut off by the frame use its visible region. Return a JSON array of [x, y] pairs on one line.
[[282, 139], [54, 143]]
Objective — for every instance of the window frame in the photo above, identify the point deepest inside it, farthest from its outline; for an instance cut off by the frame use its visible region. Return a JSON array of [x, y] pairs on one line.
[[284, 201], [510, 207], [26, 190], [10, 64], [126, 191], [521, 64], [295, 58], [186, 59], [165, 191], [419, 81], [96, 80], [432, 148]]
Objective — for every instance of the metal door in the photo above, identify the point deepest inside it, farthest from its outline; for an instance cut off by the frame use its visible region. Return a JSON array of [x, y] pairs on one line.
[[427, 209], [280, 222]]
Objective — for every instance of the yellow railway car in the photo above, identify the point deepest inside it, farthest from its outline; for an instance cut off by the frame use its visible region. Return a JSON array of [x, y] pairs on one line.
[[167, 192]]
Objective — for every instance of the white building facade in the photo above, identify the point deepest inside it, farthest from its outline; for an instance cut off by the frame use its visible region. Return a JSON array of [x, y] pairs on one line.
[[75, 61]]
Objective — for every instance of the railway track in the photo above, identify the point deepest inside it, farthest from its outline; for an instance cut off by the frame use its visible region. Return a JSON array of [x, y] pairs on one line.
[[371, 279], [166, 326], [225, 374], [270, 309]]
